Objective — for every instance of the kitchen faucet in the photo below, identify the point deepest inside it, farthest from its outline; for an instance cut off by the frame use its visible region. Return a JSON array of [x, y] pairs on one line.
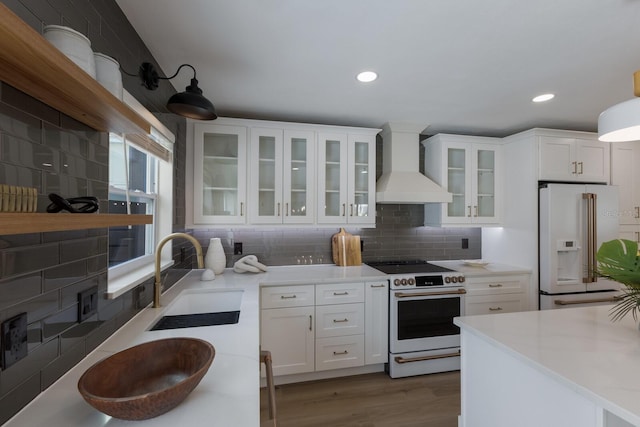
[[158, 285]]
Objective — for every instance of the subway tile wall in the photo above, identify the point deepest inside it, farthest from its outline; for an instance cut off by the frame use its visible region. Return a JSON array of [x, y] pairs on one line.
[[41, 274]]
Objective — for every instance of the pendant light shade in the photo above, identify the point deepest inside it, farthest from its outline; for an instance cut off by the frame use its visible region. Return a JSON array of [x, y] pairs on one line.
[[621, 122], [190, 103]]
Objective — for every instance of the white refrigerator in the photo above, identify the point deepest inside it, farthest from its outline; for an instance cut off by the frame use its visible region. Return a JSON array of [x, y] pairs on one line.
[[575, 219]]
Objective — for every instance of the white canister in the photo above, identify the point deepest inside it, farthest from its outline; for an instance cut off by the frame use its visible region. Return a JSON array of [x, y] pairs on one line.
[[73, 44], [215, 259], [108, 74]]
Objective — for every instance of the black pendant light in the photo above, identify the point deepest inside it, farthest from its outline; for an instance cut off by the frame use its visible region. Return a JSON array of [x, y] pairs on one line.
[[190, 103]]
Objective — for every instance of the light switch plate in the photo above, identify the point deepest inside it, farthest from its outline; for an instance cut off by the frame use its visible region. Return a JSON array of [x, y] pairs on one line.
[[14, 340], [87, 303]]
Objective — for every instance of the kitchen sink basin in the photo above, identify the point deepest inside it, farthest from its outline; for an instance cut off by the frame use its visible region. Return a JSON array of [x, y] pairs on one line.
[[194, 308], [194, 320]]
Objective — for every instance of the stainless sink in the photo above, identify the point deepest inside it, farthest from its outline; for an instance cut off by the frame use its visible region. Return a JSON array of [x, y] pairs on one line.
[[194, 308]]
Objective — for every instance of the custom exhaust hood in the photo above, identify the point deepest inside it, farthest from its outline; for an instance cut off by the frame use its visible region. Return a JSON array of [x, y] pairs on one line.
[[401, 181]]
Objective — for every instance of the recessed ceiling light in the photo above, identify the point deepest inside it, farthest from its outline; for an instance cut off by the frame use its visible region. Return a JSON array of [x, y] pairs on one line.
[[543, 97], [366, 76]]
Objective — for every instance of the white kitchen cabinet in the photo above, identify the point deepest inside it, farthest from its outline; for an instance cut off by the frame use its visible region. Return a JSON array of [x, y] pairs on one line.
[[339, 325], [282, 184], [346, 178], [287, 328], [469, 167], [573, 158], [325, 326], [496, 294], [625, 158], [260, 172], [376, 322], [219, 174]]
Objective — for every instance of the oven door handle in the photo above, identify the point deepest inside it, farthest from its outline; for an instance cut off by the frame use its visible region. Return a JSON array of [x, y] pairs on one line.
[[586, 301], [429, 294], [400, 359]]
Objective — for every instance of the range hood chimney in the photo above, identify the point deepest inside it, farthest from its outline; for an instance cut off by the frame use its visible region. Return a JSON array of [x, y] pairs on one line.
[[401, 181]]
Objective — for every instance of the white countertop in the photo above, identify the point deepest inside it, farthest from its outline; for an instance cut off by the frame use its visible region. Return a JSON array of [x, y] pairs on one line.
[[229, 394], [491, 269], [579, 347]]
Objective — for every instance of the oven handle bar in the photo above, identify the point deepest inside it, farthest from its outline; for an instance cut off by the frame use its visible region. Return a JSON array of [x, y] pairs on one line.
[[429, 294], [400, 359]]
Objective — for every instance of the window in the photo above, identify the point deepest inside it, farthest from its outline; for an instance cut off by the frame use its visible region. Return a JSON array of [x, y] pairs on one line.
[[133, 176], [139, 183]]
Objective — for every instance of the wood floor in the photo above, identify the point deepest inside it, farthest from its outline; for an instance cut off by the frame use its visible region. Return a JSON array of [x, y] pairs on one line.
[[371, 400]]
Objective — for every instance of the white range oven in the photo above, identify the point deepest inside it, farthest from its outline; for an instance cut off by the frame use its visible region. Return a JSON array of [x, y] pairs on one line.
[[423, 301]]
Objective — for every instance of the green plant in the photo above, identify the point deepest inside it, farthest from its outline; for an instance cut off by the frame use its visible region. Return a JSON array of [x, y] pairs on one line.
[[618, 260]]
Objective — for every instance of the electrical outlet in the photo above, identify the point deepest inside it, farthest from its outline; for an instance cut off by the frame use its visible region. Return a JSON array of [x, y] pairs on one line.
[[465, 243], [237, 248], [87, 303], [14, 340]]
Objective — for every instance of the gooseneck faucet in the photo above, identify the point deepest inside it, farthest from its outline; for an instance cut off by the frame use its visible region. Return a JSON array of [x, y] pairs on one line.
[[157, 287]]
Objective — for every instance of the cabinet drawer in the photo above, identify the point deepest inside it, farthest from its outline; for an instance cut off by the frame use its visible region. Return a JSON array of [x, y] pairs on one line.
[[492, 304], [339, 293], [496, 285], [287, 296], [339, 352], [338, 320]]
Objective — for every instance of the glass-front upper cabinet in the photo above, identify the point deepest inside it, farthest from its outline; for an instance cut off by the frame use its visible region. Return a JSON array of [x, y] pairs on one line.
[[468, 167], [282, 176], [220, 159], [346, 178]]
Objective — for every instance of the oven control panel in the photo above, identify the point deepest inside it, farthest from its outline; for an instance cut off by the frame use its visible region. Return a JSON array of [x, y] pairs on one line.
[[444, 280]]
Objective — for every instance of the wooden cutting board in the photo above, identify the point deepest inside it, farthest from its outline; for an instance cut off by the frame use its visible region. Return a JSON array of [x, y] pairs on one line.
[[345, 248]]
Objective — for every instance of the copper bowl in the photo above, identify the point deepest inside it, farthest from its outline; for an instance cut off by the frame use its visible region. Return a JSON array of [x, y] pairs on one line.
[[146, 380]]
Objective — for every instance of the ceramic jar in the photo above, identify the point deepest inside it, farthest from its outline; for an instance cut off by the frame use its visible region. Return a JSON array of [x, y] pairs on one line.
[[108, 74], [215, 259], [74, 45]]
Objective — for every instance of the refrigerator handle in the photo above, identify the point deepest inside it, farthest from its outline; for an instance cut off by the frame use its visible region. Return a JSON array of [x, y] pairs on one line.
[[592, 237]]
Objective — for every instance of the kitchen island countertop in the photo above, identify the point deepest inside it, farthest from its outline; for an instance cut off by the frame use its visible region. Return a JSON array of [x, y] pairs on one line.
[[229, 394], [559, 367]]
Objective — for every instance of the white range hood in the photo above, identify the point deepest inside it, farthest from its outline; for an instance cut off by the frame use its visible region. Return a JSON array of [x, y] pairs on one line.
[[401, 181]]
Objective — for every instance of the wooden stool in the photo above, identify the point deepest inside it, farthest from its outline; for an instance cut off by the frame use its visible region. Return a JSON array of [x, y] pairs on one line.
[[265, 357]]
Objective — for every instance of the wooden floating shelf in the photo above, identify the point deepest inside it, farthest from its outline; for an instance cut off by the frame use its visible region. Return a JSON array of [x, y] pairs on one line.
[[33, 65], [22, 223]]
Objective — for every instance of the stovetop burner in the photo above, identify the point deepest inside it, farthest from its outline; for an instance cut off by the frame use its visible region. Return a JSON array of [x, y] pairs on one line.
[[408, 266]]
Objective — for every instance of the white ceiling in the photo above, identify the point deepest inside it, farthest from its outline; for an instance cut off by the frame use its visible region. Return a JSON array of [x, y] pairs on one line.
[[461, 66]]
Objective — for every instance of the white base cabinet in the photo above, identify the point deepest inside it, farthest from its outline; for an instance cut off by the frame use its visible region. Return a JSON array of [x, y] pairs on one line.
[[499, 294], [323, 327]]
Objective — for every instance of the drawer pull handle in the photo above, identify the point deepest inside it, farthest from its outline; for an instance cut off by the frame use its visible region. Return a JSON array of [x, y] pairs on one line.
[[495, 285], [337, 294], [586, 301], [340, 320], [287, 297], [340, 353], [378, 286], [495, 308]]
